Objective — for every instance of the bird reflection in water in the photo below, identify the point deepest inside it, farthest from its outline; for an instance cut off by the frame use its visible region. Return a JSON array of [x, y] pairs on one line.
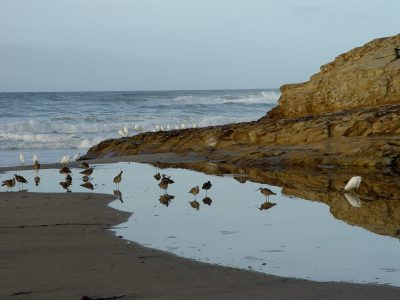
[[266, 205], [241, 178], [166, 199], [36, 180], [118, 194], [195, 204], [207, 200], [353, 199], [88, 185]]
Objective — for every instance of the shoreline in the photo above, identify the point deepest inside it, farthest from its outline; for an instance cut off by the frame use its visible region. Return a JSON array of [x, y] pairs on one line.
[[68, 241]]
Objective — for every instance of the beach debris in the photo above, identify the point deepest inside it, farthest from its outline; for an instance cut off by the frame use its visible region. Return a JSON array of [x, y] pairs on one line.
[[21, 180], [117, 179], [207, 200], [206, 186], [124, 132], [353, 184], [36, 165], [266, 192], [88, 185], [195, 204], [65, 185], [194, 191], [9, 183], [266, 205]]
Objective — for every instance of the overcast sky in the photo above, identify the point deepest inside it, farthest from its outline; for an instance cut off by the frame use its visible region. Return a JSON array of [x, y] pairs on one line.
[[86, 45]]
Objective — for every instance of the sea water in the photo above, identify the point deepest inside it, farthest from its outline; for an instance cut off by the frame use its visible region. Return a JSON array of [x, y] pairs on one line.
[[52, 125], [295, 238]]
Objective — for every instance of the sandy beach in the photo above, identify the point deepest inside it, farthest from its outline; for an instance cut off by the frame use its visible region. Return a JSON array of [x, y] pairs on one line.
[[59, 246]]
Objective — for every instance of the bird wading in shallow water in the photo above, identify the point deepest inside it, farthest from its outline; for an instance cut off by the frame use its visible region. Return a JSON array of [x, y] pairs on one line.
[[266, 192], [117, 179], [21, 180], [194, 191], [206, 186], [22, 158]]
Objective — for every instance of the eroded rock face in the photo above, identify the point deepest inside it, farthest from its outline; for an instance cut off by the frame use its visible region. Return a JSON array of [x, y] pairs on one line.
[[367, 76], [346, 115]]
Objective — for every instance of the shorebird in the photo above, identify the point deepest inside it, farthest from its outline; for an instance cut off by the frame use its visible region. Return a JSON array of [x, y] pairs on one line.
[[266, 205], [68, 178], [85, 165], [22, 158], [37, 180], [21, 180], [157, 176], [194, 125], [167, 179], [266, 192], [65, 170], [87, 185], [65, 160], [353, 184], [207, 200], [36, 166], [166, 199], [65, 185], [195, 204], [87, 172], [76, 157], [163, 185], [194, 191], [206, 186], [9, 183], [117, 179]]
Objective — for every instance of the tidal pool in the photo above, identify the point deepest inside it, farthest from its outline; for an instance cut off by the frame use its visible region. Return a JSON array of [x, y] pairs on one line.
[[294, 238]]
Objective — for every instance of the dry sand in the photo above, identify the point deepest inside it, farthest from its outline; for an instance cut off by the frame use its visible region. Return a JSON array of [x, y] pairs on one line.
[[58, 246]]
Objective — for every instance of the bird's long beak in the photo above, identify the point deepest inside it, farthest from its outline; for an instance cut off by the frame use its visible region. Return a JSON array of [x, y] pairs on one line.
[[257, 189]]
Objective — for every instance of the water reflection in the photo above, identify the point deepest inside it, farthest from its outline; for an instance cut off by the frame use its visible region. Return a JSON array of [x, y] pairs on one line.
[[37, 180], [118, 194], [87, 185], [195, 204], [266, 205], [207, 200], [353, 199], [166, 199]]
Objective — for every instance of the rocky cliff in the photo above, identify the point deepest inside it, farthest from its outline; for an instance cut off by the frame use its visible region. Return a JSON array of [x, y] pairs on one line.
[[346, 115]]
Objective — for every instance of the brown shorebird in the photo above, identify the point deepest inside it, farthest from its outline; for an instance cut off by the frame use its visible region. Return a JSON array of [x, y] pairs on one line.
[[207, 200], [195, 204], [9, 183], [65, 185], [194, 191], [266, 192], [167, 179], [163, 185], [206, 186], [88, 185], [85, 178], [68, 178], [65, 170], [117, 179], [166, 199], [266, 205], [36, 166], [21, 180], [37, 180], [85, 165], [87, 172], [157, 176]]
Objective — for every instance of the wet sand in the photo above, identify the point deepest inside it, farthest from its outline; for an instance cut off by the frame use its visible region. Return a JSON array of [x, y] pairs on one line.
[[58, 246]]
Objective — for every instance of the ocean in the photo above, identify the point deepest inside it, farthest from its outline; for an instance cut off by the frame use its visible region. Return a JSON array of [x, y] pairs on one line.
[[52, 125]]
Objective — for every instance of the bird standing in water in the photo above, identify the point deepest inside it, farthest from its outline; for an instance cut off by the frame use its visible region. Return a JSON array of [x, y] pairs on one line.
[[85, 165], [87, 172], [206, 186], [22, 158], [118, 179], [266, 192], [21, 180], [194, 191], [9, 183]]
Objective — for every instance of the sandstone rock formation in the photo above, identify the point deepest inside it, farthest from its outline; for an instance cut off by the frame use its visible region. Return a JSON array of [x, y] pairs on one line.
[[346, 115]]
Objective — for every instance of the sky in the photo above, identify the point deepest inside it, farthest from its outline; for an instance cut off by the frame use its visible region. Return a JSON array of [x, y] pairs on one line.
[[127, 45]]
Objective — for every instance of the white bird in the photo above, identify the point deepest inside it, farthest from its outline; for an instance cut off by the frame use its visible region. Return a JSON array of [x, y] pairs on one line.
[[168, 127], [353, 184], [126, 131], [353, 199], [22, 158], [162, 128], [65, 160], [121, 133], [183, 126], [176, 126], [76, 157], [158, 127], [194, 125], [35, 158]]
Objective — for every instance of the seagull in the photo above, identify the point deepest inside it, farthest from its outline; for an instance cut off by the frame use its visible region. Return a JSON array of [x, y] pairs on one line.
[[158, 127], [35, 158], [20, 180], [76, 157], [183, 126], [157, 176], [194, 125], [206, 186], [65, 160], [9, 183], [194, 191], [126, 131], [118, 179], [266, 192], [22, 158], [353, 184]]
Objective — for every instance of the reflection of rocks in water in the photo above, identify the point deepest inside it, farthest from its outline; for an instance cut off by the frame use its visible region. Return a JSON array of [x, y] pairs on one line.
[[166, 199], [88, 185], [353, 199], [118, 194], [195, 204], [266, 205], [207, 200], [37, 180], [379, 192]]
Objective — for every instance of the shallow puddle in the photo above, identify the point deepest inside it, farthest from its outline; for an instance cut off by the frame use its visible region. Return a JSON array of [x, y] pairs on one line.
[[294, 238]]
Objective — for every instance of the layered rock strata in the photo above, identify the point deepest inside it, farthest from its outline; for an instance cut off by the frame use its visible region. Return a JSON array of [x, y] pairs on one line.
[[346, 115]]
